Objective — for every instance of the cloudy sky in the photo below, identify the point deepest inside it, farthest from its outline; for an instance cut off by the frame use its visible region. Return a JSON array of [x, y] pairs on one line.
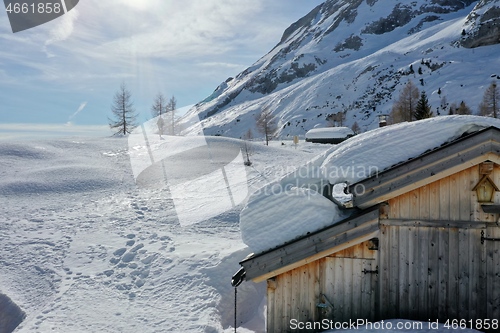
[[66, 71]]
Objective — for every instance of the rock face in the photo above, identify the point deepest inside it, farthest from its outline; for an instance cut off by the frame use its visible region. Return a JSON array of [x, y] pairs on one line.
[[483, 25], [10, 315], [354, 56]]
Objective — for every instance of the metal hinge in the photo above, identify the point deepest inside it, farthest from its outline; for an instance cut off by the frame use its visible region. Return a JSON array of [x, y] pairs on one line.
[[365, 271], [488, 238], [324, 302]]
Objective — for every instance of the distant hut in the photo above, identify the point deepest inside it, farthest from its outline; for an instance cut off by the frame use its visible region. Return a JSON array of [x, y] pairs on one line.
[[332, 135]]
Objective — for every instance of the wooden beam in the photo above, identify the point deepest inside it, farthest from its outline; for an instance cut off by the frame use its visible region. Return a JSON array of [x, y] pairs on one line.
[[317, 256], [430, 167], [312, 247], [434, 224], [491, 209]]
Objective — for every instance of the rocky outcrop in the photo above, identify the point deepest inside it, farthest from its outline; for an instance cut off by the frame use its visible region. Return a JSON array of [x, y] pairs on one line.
[[11, 315], [484, 25]]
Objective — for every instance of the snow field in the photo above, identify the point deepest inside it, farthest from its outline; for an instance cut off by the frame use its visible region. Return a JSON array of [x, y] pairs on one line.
[[92, 252]]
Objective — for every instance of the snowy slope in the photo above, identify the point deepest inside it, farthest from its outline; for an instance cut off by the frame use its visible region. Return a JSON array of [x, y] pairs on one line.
[[84, 249], [354, 57]]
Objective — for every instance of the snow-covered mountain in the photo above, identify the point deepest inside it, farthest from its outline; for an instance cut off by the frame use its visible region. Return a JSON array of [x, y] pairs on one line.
[[354, 56]]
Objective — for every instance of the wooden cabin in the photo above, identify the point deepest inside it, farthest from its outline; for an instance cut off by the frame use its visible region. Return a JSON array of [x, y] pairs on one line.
[[423, 243]]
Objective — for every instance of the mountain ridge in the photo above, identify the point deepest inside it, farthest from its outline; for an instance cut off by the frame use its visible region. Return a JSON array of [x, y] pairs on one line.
[[354, 57]]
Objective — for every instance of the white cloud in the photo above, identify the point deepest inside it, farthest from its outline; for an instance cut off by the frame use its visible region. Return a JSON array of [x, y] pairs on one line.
[[173, 30], [140, 5], [64, 28], [80, 109], [180, 48], [119, 37], [220, 64]]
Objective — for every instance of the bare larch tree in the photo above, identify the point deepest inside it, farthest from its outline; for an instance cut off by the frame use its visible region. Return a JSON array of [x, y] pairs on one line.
[[172, 107], [124, 117], [404, 107], [266, 124]]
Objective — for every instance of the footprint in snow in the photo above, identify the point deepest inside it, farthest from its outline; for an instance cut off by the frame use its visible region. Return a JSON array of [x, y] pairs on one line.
[[137, 247], [120, 252], [129, 256]]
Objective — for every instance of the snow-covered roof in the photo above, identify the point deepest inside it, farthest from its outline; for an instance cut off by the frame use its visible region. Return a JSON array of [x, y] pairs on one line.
[[384, 147], [329, 133], [293, 206]]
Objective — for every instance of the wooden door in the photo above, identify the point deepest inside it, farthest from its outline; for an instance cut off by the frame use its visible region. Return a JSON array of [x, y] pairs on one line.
[[350, 286]]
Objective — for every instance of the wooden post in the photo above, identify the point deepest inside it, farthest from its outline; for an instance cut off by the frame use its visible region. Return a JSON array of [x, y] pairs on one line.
[[235, 307]]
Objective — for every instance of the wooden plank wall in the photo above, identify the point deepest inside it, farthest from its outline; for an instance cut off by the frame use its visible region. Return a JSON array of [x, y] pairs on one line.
[[296, 294], [450, 198], [293, 295], [432, 273], [440, 272]]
